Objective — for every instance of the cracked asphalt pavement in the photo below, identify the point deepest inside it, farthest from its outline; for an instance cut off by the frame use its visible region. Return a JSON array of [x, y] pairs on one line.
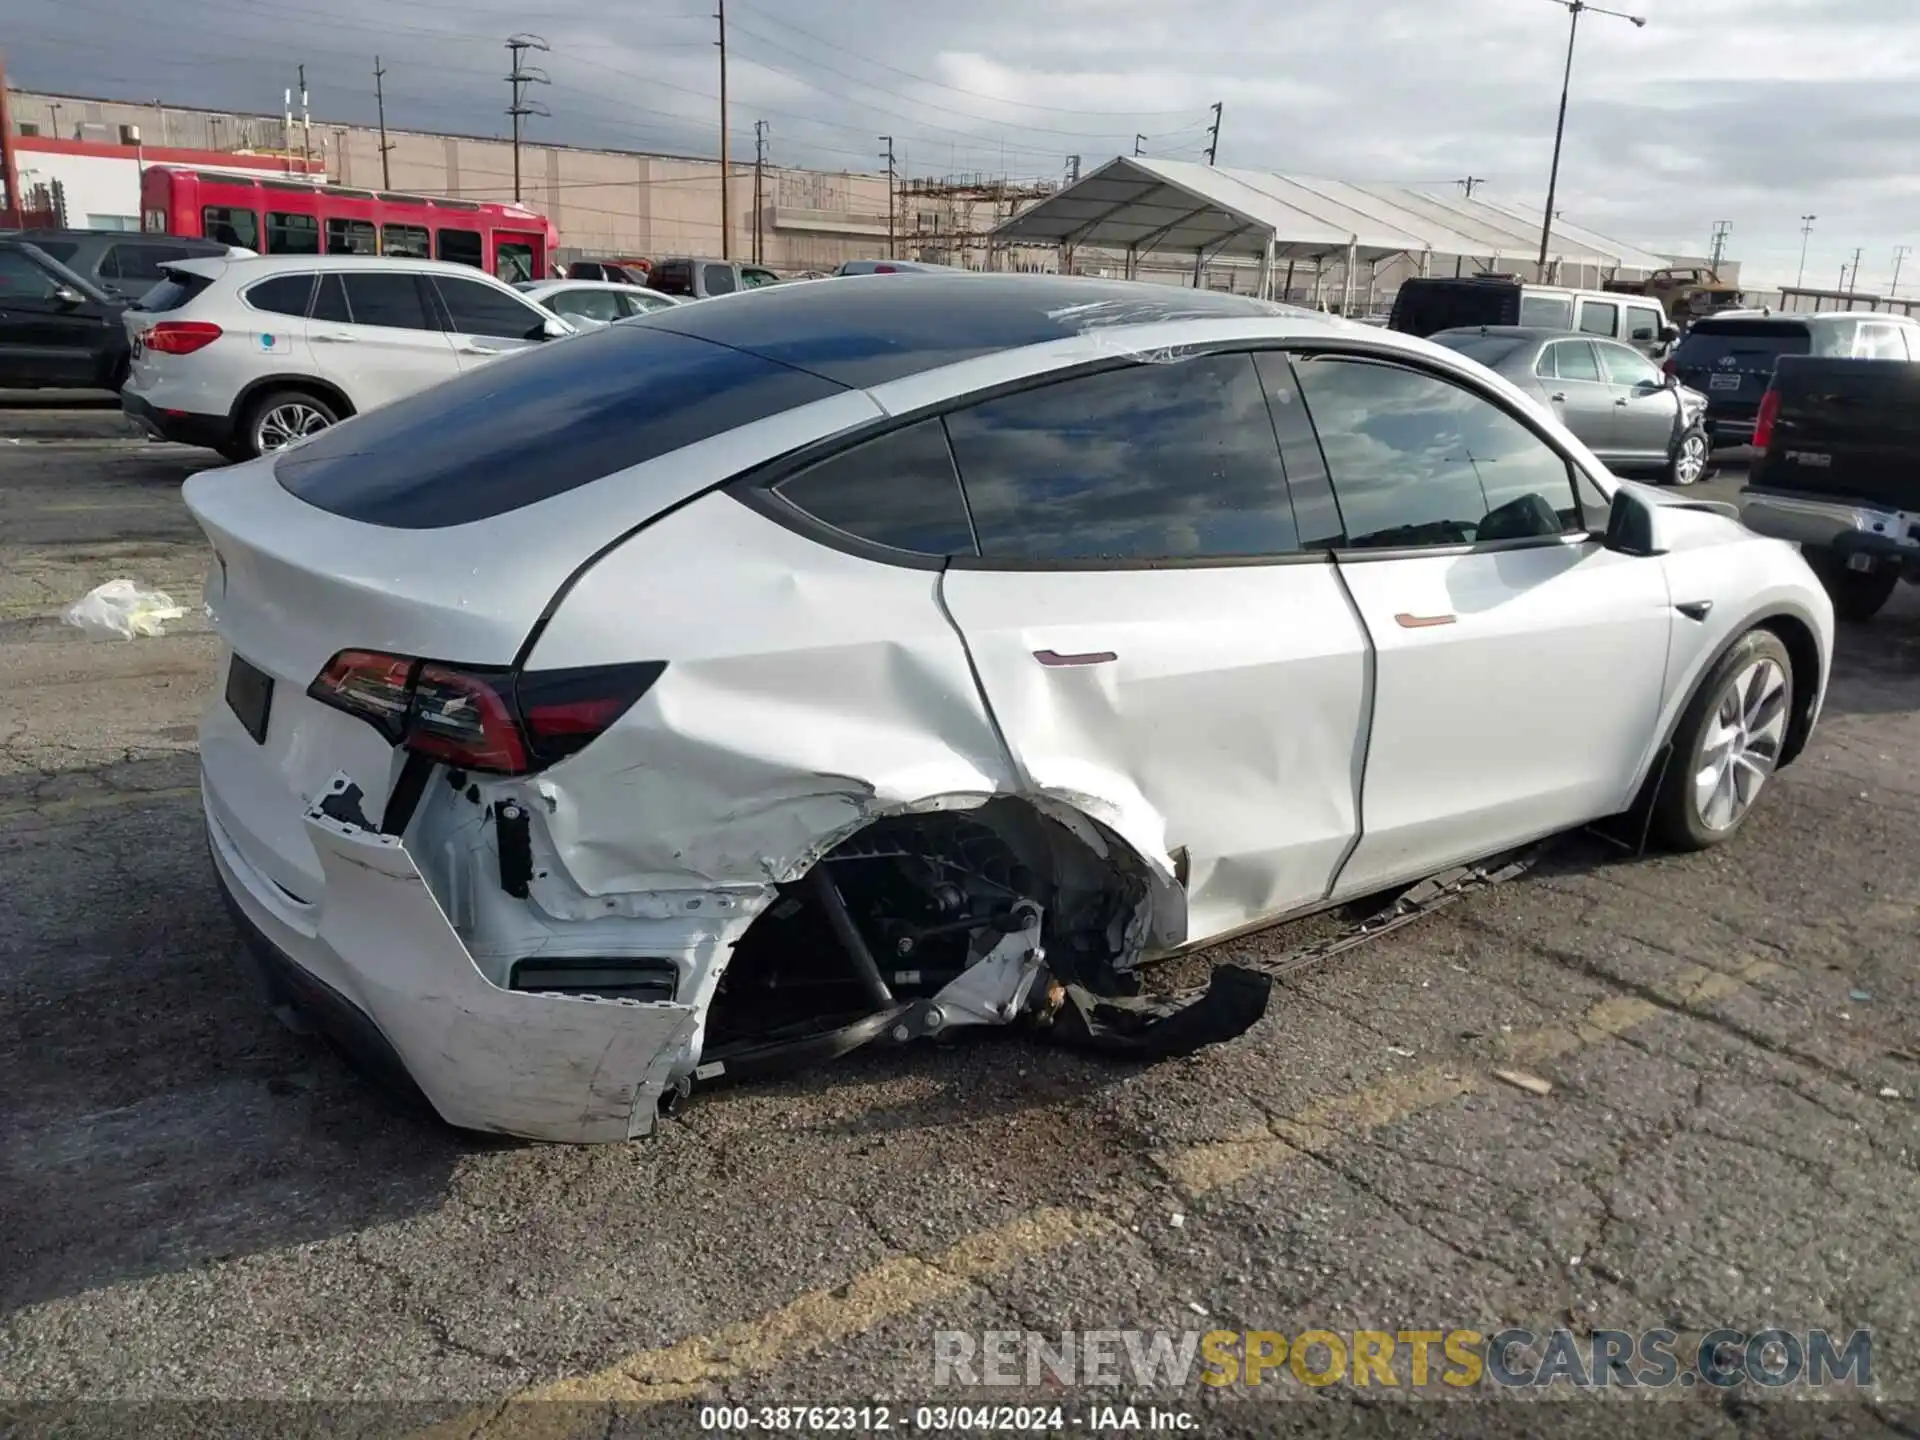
[[210, 1225]]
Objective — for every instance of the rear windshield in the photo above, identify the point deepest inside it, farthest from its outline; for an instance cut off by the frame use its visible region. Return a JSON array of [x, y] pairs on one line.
[[525, 429], [1487, 349], [1759, 340], [172, 292], [1424, 306]]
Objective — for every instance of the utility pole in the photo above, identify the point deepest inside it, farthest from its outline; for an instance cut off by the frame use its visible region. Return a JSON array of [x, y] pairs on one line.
[[1575, 8], [380, 103], [53, 108], [726, 168], [306, 123], [1900, 252], [1467, 182], [1806, 231], [1721, 229], [1138, 141], [520, 76], [887, 155], [1854, 284], [14, 211], [759, 197], [1213, 133]]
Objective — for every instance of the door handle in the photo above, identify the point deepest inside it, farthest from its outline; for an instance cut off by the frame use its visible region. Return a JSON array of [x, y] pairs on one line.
[[1422, 622], [1055, 660], [1621, 401], [339, 337], [1559, 399], [478, 350]]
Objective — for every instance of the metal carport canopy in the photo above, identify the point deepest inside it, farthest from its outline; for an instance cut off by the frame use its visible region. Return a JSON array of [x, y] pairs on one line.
[[1145, 204]]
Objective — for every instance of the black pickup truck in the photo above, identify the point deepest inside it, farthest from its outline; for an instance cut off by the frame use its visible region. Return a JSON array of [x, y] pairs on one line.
[[1840, 473]]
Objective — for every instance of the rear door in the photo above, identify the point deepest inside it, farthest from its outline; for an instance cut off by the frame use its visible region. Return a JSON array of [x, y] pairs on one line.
[[485, 321], [1731, 362], [1581, 395], [1644, 327], [1598, 317], [1150, 632], [376, 335], [1645, 410], [1519, 665]]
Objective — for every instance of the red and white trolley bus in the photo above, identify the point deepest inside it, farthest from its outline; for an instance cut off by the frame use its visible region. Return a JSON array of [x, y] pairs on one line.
[[289, 217]]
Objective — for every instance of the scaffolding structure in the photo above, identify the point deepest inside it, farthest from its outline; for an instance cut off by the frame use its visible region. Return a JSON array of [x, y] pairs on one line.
[[949, 219]]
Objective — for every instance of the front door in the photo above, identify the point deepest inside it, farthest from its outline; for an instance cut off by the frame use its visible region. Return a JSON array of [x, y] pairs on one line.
[[374, 335], [1646, 411], [1581, 395], [45, 340], [1519, 666], [1153, 643]]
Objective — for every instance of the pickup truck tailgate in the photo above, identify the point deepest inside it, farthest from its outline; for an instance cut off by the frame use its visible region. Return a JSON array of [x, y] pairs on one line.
[[1846, 430]]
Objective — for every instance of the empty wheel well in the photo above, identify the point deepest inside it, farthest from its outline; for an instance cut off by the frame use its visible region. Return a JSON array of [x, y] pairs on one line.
[[336, 399], [928, 894], [1804, 651]]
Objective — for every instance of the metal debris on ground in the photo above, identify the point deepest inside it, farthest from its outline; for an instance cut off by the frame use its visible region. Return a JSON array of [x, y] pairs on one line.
[[1520, 1080]]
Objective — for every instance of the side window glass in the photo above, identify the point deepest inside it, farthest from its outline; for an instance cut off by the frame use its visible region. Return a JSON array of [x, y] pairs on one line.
[[282, 294], [718, 278], [1544, 367], [1627, 367], [231, 225], [478, 309], [390, 300], [1546, 312], [1159, 461], [1416, 460], [330, 302], [1573, 360], [1643, 326], [898, 490], [409, 241], [351, 237], [513, 261], [461, 247], [1599, 318], [601, 305], [292, 234], [21, 279]]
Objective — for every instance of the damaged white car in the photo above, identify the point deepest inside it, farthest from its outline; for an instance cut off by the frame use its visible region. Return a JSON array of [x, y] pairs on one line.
[[844, 664]]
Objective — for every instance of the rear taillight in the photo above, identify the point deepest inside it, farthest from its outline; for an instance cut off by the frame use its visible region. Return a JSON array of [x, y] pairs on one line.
[[482, 719], [181, 337], [1763, 422]]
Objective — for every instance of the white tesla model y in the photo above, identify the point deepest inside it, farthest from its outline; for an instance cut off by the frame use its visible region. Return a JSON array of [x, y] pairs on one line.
[[742, 683]]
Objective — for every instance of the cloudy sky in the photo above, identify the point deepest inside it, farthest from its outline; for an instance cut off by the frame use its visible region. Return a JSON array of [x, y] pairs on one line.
[[1755, 112]]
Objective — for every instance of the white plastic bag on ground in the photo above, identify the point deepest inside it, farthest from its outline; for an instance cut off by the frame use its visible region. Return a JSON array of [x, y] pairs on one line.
[[123, 609]]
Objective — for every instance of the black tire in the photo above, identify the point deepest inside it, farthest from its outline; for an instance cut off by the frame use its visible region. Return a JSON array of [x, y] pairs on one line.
[[257, 424], [1677, 820], [1691, 457], [1857, 595]]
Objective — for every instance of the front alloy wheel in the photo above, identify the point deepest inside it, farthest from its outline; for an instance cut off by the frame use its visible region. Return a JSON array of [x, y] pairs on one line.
[[1690, 457], [1741, 745]]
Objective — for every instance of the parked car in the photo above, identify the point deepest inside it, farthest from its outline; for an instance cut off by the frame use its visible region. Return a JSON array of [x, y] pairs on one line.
[[617, 272], [1839, 472], [245, 356], [1636, 419], [587, 304], [898, 267], [121, 263], [692, 278], [1731, 357], [757, 681], [1426, 306], [56, 329]]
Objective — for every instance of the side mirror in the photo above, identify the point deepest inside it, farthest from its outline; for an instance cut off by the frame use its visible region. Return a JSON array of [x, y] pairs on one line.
[[68, 296], [1633, 524], [1669, 334], [555, 329]]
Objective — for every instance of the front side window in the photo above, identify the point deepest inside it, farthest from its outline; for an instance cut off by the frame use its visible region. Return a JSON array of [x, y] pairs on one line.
[[717, 278], [407, 241], [1627, 367], [1879, 342], [898, 490], [1416, 460], [1152, 462], [673, 278], [21, 279], [292, 234], [1546, 312], [1644, 326], [391, 301], [476, 308], [282, 294], [460, 247], [231, 225], [1573, 360], [1599, 318]]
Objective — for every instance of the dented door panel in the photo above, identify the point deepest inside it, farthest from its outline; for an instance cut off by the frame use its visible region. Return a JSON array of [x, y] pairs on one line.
[[1221, 710]]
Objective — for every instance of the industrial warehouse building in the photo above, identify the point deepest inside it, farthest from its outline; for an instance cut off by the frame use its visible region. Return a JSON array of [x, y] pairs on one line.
[[1314, 241]]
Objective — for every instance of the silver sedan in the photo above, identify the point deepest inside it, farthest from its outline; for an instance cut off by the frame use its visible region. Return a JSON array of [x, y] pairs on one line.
[[1630, 414]]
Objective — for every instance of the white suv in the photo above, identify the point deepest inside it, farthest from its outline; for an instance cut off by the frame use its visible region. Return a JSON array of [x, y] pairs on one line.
[[245, 356]]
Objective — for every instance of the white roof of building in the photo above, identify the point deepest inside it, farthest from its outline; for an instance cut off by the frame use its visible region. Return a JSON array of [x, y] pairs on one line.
[[1183, 206]]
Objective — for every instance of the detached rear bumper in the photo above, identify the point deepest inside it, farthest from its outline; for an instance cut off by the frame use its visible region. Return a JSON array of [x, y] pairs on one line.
[[210, 432], [407, 1002], [1838, 525]]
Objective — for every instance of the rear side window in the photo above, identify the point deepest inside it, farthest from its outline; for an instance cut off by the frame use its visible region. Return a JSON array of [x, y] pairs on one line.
[[176, 288], [330, 303], [282, 295], [487, 443], [138, 262], [476, 308], [717, 278], [391, 301], [898, 490], [61, 250], [1599, 318], [1416, 460], [1546, 312], [1152, 462], [1572, 360]]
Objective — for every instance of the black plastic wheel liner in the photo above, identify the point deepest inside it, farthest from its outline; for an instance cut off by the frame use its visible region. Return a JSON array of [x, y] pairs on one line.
[[1146, 1028]]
